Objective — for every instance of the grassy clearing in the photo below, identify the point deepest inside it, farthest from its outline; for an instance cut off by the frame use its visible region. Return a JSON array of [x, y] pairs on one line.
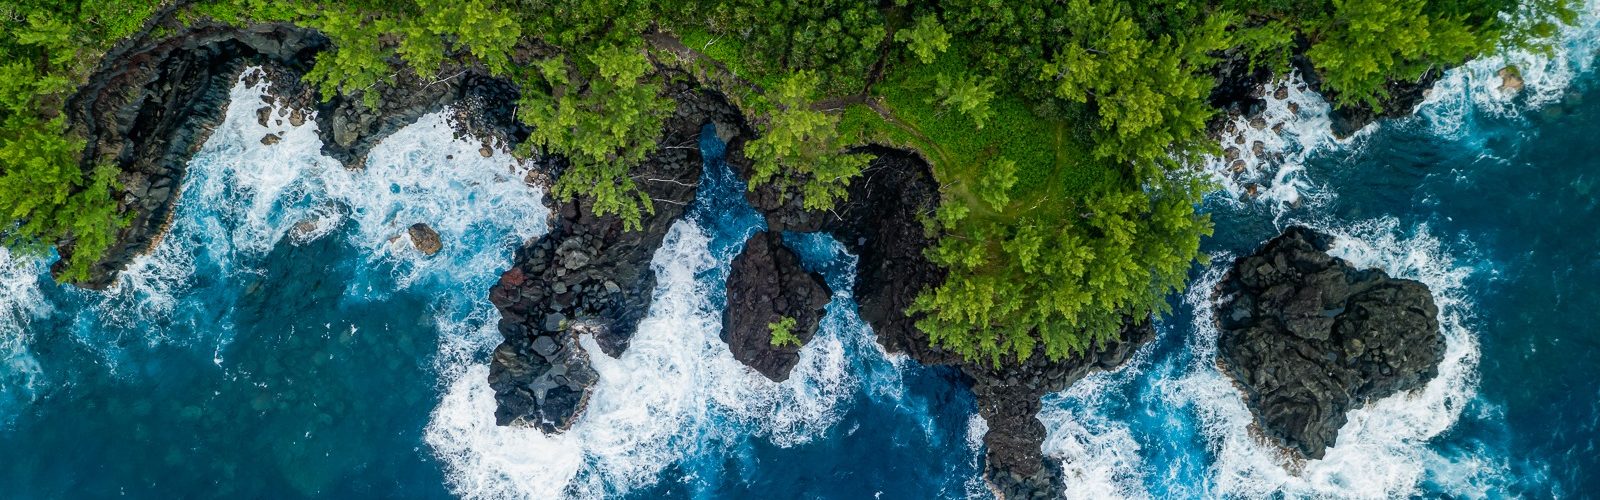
[[1054, 165]]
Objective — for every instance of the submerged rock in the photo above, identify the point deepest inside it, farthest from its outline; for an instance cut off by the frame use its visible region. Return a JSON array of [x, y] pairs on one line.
[[767, 284], [1307, 337], [424, 238]]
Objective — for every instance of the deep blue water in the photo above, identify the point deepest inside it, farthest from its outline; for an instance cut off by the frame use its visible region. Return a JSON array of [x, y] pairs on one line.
[[285, 341]]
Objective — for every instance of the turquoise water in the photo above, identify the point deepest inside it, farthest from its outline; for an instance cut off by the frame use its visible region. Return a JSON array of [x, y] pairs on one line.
[[285, 340]]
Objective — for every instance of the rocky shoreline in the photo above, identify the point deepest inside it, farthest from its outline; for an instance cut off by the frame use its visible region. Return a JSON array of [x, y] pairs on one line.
[[152, 103], [590, 276]]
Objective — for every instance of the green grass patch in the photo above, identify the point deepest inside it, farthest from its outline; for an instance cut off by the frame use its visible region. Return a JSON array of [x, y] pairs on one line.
[[1055, 168]]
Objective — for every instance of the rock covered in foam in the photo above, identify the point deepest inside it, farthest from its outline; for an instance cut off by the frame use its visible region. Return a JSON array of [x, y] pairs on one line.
[[1308, 337], [767, 284]]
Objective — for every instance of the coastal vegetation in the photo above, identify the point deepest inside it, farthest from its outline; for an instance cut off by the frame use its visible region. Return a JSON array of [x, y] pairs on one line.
[[1064, 133]]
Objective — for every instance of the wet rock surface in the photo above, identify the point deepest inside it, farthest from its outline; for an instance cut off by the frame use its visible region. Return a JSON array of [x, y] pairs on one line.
[[1307, 337], [590, 276], [767, 283], [153, 101], [881, 223], [424, 238]]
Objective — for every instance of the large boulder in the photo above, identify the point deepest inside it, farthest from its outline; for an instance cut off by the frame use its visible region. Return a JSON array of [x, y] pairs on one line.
[[766, 285], [1307, 337]]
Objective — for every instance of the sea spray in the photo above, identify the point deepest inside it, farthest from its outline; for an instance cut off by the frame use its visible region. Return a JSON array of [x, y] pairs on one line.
[[674, 396], [242, 198], [1263, 156], [21, 302]]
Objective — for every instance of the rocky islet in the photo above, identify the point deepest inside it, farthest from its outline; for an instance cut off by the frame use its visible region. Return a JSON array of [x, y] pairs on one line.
[[1307, 337]]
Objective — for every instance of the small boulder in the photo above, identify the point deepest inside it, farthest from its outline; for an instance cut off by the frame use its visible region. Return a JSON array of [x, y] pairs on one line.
[[270, 139], [1510, 79], [1307, 337], [767, 285], [425, 239]]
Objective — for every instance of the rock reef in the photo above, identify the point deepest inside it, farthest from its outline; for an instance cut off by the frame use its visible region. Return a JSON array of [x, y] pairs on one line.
[[767, 284], [1307, 337]]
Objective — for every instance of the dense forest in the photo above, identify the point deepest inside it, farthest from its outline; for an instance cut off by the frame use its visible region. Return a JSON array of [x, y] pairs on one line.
[[1065, 133]]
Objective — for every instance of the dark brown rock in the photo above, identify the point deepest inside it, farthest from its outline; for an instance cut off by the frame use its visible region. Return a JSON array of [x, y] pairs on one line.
[[425, 239]]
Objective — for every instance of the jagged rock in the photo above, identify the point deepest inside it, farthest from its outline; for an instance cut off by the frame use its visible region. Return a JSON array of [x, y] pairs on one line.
[[425, 239], [270, 139], [766, 284], [1307, 337], [590, 275], [154, 99]]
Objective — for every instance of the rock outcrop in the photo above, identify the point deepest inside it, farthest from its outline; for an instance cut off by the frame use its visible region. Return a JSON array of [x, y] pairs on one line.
[[589, 275], [767, 284], [1307, 337], [881, 223], [424, 238], [154, 100]]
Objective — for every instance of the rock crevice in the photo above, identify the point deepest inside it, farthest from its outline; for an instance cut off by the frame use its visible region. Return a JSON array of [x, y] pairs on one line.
[[589, 275]]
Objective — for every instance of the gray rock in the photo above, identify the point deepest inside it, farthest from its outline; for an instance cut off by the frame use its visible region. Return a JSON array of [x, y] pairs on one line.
[[1307, 338]]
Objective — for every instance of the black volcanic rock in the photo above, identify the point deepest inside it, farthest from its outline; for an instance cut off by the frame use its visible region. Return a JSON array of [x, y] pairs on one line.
[[591, 275], [1307, 338], [767, 284], [881, 223]]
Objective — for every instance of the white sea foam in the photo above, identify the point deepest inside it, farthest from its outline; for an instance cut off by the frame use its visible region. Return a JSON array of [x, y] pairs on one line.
[[1264, 157], [1477, 87], [21, 302], [677, 393], [1100, 457], [1382, 450], [241, 198]]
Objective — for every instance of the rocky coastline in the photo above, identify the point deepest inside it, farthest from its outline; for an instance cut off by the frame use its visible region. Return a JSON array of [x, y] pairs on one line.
[[1306, 337], [153, 102], [590, 276]]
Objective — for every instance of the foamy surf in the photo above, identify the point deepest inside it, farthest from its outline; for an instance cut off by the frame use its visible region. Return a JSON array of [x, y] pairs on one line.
[[21, 302], [1545, 76], [676, 394], [241, 199], [1100, 458], [1382, 450], [1263, 157]]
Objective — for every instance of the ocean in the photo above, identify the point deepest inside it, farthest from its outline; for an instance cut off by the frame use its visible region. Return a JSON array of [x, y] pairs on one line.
[[285, 340]]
